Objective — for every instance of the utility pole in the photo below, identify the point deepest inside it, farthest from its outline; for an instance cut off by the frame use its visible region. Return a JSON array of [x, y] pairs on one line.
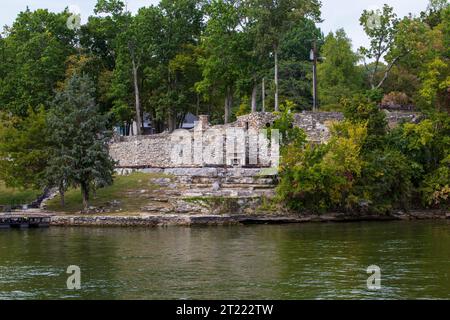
[[313, 57]]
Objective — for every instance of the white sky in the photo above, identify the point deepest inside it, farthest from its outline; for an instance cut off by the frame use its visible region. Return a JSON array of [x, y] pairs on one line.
[[336, 13]]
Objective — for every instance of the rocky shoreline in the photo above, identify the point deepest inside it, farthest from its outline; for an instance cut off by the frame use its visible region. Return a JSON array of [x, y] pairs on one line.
[[162, 220]]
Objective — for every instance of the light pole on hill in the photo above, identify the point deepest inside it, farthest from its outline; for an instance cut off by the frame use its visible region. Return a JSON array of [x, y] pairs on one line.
[[313, 56]]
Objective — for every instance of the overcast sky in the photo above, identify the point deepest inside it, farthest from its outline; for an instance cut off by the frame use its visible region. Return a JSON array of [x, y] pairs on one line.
[[336, 13]]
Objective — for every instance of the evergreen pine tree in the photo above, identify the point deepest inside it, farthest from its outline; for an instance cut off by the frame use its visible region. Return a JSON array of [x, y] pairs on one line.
[[79, 136]]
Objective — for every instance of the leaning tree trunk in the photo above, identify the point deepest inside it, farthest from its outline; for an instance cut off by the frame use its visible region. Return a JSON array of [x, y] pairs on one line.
[[276, 78], [254, 92], [137, 98], [61, 195], [85, 194]]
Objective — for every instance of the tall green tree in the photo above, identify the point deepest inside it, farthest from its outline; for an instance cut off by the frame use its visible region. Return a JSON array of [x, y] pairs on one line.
[[391, 39], [24, 149], [132, 48], [99, 35], [273, 20], [433, 14], [380, 27], [99, 44], [156, 48], [224, 43], [339, 75], [423, 72], [79, 136], [295, 68], [181, 32], [34, 52]]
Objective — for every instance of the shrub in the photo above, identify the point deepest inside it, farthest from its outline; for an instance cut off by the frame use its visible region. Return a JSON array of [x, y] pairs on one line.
[[290, 134], [359, 110], [385, 181], [436, 188], [321, 177]]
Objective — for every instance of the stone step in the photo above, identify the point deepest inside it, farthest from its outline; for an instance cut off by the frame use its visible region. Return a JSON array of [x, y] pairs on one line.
[[239, 180], [247, 186], [216, 172], [160, 200], [157, 207], [229, 193], [231, 186]]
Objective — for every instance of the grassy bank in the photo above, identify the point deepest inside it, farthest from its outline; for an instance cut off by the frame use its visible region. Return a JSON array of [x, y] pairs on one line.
[[13, 196], [127, 194]]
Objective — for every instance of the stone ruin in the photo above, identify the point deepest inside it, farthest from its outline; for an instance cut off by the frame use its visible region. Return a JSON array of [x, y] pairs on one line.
[[154, 151], [204, 187]]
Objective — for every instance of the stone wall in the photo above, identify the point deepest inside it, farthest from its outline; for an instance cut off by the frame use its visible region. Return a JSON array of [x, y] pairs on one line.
[[141, 151], [201, 147], [396, 117], [315, 124], [258, 120], [154, 151]]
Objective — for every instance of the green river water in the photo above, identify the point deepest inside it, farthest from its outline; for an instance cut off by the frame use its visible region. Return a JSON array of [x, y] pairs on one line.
[[306, 261]]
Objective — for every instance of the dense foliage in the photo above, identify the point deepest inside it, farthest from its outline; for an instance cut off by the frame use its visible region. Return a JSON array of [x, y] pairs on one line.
[[24, 147], [367, 168]]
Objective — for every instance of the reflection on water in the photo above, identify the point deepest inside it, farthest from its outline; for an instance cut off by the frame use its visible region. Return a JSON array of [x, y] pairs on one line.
[[311, 261]]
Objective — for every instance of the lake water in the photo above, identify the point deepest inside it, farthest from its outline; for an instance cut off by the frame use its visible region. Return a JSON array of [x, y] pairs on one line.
[[309, 261]]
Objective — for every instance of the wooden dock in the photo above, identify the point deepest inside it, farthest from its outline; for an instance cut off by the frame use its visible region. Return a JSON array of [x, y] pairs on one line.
[[24, 220]]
